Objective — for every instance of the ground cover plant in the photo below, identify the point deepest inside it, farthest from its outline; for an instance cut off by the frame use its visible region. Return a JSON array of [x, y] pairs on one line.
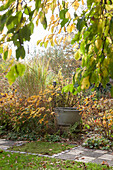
[[41, 147], [20, 161], [98, 142]]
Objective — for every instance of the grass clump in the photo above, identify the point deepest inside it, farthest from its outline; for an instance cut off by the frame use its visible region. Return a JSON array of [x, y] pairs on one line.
[[44, 148], [19, 161]]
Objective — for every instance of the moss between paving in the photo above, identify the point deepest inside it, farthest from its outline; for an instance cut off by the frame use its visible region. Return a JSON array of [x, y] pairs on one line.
[[44, 148]]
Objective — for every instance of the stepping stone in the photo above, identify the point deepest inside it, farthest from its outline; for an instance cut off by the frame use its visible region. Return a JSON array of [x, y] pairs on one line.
[[100, 151], [84, 159], [66, 157], [106, 157], [75, 152]]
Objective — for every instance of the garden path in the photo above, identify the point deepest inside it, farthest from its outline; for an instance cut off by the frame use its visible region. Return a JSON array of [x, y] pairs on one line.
[[79, 153]]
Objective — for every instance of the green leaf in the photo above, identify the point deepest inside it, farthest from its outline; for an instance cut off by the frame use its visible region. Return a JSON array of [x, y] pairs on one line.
[[31, 26], [111, 69], [37, 4], [44, 22], [82, 47], [89, 3], [111, 26], [25, 33], [76, 38], [66, 88], [64, 21], [80, 24], [7, 5], [1, 49], [5, 55], [15, 71], [77, 55], [27, 10], [71, 88], [20, 52], [62, 13], [41, 44], [20, 69], [45, 44], [13, 21], [109, 7]]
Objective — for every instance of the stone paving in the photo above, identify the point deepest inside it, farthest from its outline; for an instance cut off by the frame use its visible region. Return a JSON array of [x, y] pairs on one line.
[[79, 153]]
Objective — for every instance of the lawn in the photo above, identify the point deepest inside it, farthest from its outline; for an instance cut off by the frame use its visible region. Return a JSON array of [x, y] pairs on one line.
[[18, 161], [44, 148]]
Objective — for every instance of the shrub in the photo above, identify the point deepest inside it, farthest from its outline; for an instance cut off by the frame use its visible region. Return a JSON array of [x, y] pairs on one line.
[[98, 114], [27, 114]]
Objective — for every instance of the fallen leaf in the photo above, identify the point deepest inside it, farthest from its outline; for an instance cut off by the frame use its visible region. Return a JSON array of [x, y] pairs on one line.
[[50, 149], [8, 155], [11, 166], [105, 163]]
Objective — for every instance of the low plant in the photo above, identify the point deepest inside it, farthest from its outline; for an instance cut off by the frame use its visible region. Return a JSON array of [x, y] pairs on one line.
[[98, 142], [52, 138]]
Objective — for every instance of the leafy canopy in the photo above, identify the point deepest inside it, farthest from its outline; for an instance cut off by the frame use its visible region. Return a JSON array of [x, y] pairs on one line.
[[92, 28]]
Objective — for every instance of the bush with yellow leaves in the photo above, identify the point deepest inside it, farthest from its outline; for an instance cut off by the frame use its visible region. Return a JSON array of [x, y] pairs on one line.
[[98, 114], [27, 114]]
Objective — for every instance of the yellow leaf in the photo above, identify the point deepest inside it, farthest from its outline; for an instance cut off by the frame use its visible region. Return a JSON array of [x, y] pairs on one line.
[[82, 2], [44, 38], [56, 15], [68, 15], [60, 40], [49, 99], [64, 29], [98, 43], [50, 36], [85, 83], [59, 30], [5, 48], [73, 45], [52, 18], [52, 44], [69, 38], [38, 42], [46, 43], [70, 28], [52, 28], [9, 53], [55, 40], [37, 22], [73, 26], [77, 55], [75, 5], [64, 40], [19, 7]]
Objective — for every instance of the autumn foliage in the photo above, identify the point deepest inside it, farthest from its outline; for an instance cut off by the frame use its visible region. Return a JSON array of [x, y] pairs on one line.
[[23, 114], [97, 115]]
